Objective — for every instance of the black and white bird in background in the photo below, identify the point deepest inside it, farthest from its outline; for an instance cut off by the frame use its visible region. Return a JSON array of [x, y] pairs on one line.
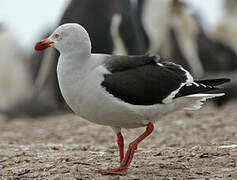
[[122, 91]]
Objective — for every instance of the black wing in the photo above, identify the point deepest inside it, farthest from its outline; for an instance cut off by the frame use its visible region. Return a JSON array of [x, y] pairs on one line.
[[140, 80]]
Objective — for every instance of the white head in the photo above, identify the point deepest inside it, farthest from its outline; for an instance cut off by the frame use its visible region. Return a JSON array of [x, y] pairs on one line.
[[67, 38]]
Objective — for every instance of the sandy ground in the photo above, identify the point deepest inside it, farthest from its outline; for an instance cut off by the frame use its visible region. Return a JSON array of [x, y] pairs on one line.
[[184, 145]]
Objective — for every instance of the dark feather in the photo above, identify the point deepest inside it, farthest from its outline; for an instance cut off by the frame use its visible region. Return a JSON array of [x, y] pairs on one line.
[[201, 86], [213, 82], [122, 63], [139, 80]]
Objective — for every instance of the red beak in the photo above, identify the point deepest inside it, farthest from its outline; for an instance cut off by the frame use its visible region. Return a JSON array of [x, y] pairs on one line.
[[42, 45]]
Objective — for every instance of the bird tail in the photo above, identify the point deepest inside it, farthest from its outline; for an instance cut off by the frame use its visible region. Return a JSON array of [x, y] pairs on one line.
[[213, 82], [201, 86], [197, 100], [196, 94]]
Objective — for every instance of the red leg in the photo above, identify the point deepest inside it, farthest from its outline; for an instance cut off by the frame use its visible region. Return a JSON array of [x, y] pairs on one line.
[[130, 152], [133, 147], [121, 153], [120, 145]]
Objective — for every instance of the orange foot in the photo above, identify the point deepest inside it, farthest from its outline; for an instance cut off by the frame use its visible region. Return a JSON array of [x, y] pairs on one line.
[[117, 171]]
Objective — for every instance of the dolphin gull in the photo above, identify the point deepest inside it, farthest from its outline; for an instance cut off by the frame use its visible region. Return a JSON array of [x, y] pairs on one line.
[[122, 91]]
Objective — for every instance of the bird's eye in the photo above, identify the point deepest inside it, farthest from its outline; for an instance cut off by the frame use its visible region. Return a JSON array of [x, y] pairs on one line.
[[56, 36]]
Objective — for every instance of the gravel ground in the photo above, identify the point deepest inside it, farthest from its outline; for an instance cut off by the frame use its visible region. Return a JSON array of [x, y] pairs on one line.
[[185, 145]]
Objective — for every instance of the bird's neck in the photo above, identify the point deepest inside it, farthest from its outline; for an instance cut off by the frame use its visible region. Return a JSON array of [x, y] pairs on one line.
[[72, 69], [73, 63], [75, 47]]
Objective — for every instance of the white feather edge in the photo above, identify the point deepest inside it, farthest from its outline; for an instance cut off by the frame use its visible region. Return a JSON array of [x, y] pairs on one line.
[[188, 82], [198, 100]]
